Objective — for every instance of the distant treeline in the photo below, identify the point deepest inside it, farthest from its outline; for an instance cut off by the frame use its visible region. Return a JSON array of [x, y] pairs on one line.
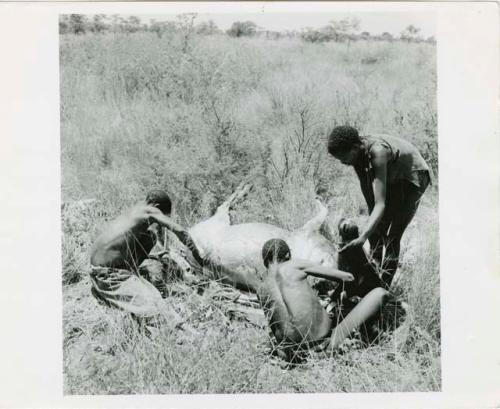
[[344, 30]]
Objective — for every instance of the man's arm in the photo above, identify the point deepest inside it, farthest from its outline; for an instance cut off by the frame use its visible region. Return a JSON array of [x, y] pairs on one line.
[[366, 187], [157, 216], [154, 215], [317, 270], [329, 273], [379, 185], [379, 162]]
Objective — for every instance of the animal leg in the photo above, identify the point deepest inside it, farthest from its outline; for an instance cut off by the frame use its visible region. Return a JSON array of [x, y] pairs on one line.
[[241, 191], [315, 223], [222, 212]]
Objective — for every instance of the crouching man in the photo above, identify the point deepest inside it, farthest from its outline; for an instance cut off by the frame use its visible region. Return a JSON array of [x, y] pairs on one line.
[[120, 249], [296, 318]]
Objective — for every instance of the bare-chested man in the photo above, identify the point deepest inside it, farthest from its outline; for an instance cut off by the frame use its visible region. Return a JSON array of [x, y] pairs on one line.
[[296, 317], [120, 249]]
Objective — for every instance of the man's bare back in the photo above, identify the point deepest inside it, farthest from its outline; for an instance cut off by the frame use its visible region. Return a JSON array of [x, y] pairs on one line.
[[127, 240], [292, 307], [304, 319]]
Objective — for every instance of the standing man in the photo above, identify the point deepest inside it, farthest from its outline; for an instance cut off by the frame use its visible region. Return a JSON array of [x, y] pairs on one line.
[[393, 177], [120, 249]]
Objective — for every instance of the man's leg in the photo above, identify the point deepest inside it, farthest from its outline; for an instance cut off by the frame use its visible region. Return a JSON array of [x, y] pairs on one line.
[[367, 308], [377, 242], [401, 218], [122, 289]]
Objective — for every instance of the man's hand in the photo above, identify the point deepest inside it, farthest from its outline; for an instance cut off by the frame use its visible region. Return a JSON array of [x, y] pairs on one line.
[[158, 254], [354, 243]]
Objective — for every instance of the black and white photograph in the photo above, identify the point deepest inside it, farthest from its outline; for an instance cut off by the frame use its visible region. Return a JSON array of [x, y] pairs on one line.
[[249, 203]]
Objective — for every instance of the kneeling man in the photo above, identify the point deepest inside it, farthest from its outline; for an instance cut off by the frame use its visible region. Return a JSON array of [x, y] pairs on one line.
[[120, 249], [296, 317]]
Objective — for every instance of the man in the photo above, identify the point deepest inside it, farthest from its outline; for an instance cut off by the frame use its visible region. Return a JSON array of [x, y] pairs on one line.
[[295, 316], [120, 249], [355, 261], [393, 177]]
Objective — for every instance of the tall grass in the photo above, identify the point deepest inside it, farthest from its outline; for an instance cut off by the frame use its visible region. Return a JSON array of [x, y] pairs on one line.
[[138, 112]]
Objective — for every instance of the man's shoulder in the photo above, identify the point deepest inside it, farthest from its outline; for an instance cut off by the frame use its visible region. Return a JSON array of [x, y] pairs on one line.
[[141, 210], [294, 268], [141, 207], [299, 263]]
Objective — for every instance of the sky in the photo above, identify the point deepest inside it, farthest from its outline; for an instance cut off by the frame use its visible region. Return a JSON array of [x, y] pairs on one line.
[[373, 22]]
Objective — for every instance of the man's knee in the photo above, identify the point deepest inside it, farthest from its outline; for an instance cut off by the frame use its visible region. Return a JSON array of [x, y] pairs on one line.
[[381, 293]]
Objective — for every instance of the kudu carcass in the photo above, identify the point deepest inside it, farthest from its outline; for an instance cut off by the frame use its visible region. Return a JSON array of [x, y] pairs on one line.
[[234, 252]]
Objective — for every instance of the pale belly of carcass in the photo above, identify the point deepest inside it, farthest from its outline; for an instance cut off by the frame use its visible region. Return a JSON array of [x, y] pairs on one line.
[[312, 246], [238, 249], [237, 245]]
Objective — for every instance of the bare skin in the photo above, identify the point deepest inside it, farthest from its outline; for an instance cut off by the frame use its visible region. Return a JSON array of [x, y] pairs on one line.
[[379, 187], [292, 307], [366, 309], [295, 315], [128, 240]]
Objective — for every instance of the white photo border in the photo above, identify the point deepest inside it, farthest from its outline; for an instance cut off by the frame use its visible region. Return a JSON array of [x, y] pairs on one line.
[[30, 238]]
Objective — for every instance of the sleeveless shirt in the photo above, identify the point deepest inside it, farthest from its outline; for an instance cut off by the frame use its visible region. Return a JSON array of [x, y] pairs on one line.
[[405, 160]]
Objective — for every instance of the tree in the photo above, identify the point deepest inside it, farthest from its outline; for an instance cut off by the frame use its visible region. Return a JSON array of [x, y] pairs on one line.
[[365, 35], [130, 25], [431, 40], [134, 23], [98, 24], [410, 33], [242, 28], [385, 36], [185, 24], [207, 28], [317, 36], [63, 23], [291, 33], [77, 23], [344, 29], [162, 27], [116, 22]]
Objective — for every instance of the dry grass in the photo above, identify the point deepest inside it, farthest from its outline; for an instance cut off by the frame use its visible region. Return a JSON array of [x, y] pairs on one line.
[[137, 113]]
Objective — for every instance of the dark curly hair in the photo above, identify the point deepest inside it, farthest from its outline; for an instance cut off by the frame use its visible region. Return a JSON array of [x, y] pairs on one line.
[[342, 139], [348, 230], [275, 250], [160, 199]]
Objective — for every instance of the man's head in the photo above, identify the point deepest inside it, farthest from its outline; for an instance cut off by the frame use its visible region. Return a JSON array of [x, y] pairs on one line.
[[348, 230], [344, 144], [275, 251], [159, 199]]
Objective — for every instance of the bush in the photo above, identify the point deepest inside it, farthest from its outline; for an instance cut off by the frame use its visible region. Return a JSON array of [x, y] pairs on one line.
[[242, 29]]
